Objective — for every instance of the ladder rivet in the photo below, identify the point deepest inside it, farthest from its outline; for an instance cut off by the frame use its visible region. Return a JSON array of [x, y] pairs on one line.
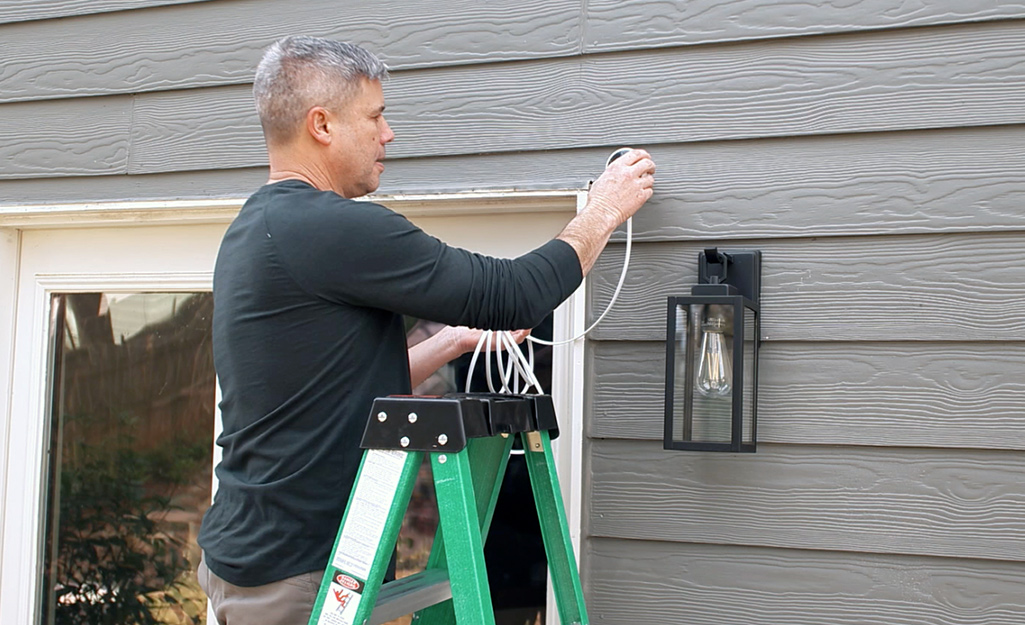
[[442, 439], [382, 416], [412, 417], [442, 459], [404, 441]]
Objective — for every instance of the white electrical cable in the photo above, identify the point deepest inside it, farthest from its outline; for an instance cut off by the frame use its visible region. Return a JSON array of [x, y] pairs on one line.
[[615, 294], [473, 361], [522, 367], [519, 365]]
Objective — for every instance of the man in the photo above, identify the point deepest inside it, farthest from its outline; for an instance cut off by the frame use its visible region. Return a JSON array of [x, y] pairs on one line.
[[309, 292]]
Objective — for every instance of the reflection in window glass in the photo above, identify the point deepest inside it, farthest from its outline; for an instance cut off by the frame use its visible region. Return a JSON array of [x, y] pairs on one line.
[[132, 384]]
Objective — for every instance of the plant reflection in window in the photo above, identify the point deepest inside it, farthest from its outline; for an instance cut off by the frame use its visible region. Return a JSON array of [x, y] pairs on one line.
[[133, 387]]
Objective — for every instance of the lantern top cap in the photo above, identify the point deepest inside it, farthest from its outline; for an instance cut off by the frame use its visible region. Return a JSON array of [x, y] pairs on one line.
[[716, 290]]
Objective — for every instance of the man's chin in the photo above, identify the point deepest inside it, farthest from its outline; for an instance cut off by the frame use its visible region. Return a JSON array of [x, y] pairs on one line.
[[372, 184], [359, 190]]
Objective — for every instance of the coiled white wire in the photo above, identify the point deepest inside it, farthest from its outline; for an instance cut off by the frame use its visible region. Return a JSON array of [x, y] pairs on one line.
[[521, 368]]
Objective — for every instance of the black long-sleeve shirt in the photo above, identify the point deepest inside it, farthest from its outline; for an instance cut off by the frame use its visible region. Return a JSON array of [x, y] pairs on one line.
[[309, 293]]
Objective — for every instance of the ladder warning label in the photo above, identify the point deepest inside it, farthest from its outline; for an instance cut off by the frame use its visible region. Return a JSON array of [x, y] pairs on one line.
[[340, 605], [367, 514]]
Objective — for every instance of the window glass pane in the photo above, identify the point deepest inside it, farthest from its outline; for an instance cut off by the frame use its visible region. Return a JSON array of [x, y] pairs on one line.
[[130, 458], [514, 551]]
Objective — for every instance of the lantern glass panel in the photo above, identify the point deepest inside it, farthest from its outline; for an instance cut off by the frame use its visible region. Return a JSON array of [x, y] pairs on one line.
[[752, 332], [683, 341], [704, 379]]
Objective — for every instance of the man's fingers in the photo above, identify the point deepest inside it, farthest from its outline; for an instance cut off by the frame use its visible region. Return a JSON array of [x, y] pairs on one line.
[[635, 155], [644, 166], [628, 159], [520, 335]]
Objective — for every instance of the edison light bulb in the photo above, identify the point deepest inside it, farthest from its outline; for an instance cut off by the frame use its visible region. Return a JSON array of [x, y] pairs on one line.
[[715, 371]]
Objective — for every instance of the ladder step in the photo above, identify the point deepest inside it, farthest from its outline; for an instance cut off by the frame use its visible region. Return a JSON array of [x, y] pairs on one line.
[[411, 594]]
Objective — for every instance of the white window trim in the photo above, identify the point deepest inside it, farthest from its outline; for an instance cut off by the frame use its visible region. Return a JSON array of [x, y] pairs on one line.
[[20, 485], [179, 212]]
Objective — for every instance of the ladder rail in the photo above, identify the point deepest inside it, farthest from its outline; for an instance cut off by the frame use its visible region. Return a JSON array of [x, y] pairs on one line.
[[489, 458], [377, 503], [551, 512]]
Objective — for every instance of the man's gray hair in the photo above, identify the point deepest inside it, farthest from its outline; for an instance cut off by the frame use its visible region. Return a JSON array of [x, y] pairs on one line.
[[298, 73]]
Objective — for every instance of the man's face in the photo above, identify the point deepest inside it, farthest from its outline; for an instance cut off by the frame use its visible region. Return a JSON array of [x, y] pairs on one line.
[[358, 151]]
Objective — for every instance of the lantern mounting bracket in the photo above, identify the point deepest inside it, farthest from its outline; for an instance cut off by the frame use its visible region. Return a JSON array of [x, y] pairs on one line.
[[741, 269]]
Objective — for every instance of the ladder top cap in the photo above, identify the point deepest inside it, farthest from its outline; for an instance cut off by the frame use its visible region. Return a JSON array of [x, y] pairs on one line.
[[437, 424]]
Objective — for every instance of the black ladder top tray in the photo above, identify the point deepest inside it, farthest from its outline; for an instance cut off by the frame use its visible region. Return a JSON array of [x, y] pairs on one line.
[[415, 423]]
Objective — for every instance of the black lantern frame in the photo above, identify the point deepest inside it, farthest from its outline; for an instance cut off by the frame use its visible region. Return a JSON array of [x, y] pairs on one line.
[[725, 302]]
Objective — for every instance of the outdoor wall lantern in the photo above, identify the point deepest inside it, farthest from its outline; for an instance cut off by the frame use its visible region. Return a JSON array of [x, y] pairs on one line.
[[712, 342]]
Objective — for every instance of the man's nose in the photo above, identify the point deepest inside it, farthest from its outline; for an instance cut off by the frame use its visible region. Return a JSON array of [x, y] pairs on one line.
[[388, 135]]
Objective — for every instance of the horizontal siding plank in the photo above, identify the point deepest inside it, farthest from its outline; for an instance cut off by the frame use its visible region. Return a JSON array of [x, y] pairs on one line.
[[616, 25], [952, 180], [884, 81], [958, 287], [26, 10], [67, 140], [717, 584], [229, 124], [911, 501], [220, 43], [898, 395], [120, 188], [873, 183]]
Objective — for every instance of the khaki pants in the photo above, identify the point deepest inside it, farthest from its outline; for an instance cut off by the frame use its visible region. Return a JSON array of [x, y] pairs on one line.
[[287, 602]]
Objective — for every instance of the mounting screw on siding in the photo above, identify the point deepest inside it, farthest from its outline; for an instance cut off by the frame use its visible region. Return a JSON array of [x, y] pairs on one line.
[[404, 441], [412, 417], [442, 439]]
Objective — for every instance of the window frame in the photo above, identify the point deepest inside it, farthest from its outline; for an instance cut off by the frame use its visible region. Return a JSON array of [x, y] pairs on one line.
[[24, 348]]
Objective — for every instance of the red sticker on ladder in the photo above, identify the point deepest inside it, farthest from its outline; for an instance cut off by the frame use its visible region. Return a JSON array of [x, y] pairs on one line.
[[347, 582]]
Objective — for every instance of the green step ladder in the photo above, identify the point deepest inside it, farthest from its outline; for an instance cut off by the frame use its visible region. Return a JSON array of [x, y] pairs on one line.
[[469, 438]]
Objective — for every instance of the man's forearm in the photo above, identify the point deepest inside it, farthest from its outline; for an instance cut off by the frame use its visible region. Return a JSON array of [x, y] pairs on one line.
[[587, 234], [449, 343], [432, 353]]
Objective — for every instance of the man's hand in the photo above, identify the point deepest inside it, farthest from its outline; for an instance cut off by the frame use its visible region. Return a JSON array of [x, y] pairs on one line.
[[466, 338], [625, 185], [449, 343]]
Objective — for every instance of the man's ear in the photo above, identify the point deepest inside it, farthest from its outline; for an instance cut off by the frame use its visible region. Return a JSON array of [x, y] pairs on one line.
[[318, 124]]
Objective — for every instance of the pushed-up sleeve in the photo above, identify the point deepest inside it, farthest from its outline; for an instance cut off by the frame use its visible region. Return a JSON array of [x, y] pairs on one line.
[[364, 254]]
